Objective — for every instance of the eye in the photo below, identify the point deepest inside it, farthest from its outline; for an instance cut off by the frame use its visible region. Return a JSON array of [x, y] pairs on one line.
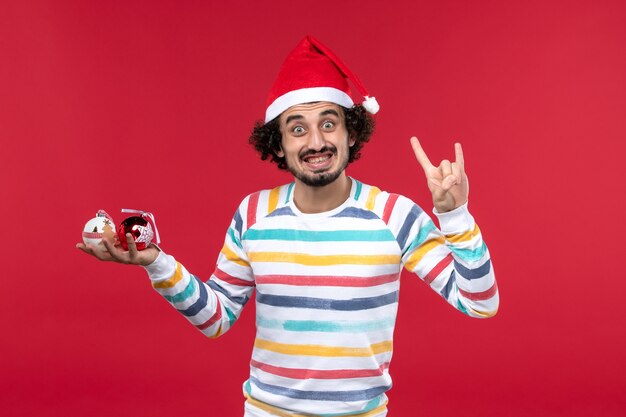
[[328, 125], [298, 130]]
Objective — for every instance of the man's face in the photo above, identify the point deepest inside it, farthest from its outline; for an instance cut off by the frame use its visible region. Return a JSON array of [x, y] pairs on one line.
[[315, 142]]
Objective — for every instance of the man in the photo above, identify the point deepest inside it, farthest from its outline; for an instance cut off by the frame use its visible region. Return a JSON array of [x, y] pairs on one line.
[[325, 253]]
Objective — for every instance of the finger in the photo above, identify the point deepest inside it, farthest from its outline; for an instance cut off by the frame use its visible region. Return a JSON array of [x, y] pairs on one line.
[[449, 182], [96, 251], [132, 247], [435, 182], [85, 249], [421, 156], [445, 168], [115, 253], [458, 151], [457, 170]]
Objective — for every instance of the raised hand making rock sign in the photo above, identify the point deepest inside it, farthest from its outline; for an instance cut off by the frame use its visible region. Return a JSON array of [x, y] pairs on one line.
[[447, 182]]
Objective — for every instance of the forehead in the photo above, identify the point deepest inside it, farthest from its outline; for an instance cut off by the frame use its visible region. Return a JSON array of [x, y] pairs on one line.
[[310, 110]]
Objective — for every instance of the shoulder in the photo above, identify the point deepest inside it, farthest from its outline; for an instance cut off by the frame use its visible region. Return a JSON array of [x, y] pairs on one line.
[[262, 203], [382, 203]]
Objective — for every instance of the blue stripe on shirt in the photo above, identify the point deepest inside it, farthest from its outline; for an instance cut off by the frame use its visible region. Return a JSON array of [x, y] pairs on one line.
[[403, 234], [216, 287], [327, 304], [200, 303], [357, 213], [238, 222], [445, 292], [283, 211], [355, 395], [474, 273]]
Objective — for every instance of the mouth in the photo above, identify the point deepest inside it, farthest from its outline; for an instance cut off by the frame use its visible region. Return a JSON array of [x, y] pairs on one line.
[[317, 161]]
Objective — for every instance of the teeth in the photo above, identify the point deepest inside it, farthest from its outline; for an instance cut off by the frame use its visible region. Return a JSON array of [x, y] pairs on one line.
[[318, 159]]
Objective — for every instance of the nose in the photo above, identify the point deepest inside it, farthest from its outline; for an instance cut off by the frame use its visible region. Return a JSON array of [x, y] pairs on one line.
[[316, 139]]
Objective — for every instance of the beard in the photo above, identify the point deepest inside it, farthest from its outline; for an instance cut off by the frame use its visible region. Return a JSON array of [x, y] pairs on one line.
[[322, 177]]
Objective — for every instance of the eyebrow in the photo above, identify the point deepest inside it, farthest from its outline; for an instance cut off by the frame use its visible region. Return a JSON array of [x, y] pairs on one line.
[[293, 117], [299, 116], [329, 111]]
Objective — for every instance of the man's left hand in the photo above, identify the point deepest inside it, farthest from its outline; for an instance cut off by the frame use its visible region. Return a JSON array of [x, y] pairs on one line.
[[447, 182]]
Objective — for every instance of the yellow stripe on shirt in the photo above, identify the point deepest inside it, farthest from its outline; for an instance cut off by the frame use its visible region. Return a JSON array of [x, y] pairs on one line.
[[173, 280], [320, 350], [371, 198], [426, 247], [233, 257], [323, 260], [272, 202], [484, 314], [463, 237]]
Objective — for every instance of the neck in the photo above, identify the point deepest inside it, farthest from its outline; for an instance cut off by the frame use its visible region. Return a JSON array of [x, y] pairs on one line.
[[320, 199]]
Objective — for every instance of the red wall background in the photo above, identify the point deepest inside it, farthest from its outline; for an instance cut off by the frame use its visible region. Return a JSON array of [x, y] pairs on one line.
[[148, 105]]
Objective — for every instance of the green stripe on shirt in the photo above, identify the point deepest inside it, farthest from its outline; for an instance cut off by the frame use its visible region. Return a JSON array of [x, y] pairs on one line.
[[382, 235]]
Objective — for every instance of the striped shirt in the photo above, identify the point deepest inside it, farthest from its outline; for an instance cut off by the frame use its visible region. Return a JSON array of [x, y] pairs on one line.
[[327, 293]]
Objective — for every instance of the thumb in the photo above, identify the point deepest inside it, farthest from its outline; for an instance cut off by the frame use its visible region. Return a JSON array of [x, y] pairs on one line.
[[449, 182]]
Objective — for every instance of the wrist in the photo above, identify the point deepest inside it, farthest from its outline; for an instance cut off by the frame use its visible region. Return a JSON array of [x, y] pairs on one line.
[[447, 207], [150, 254], [455, 221], [162, 268]]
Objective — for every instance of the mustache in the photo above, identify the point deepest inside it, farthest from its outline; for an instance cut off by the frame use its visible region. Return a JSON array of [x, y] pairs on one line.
[[325, 148]]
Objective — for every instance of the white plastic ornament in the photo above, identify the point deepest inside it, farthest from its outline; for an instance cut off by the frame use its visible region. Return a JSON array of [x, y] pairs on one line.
[[98, 228]]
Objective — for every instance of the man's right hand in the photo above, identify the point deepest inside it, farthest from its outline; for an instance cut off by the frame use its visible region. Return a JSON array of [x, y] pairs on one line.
[[109, 251]]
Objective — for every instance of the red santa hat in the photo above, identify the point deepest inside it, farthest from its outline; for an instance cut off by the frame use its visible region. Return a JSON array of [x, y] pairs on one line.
[[311, 73]]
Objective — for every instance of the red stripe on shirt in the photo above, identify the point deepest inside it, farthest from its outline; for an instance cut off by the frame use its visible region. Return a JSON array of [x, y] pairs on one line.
[[483, 295], [214, 319], [296, 373], [434, 273], [391, 202], [253, 202], [327, 281], [231, 279]]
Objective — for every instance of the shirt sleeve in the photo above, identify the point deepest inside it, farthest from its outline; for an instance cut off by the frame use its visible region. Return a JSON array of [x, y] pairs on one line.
[[454, 260], [214, 305]]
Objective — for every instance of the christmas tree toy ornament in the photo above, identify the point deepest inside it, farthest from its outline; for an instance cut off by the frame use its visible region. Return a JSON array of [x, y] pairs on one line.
[[141, 227], [98, 228]]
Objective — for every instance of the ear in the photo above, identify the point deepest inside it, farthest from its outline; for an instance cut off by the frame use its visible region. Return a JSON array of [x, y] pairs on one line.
[[279, 152], [351, 141]]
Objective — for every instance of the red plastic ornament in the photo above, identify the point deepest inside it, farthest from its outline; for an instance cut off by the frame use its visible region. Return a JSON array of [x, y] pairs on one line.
[[139, 228]]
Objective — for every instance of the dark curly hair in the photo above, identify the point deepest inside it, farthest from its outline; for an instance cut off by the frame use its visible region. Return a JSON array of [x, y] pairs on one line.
[[266, 138]]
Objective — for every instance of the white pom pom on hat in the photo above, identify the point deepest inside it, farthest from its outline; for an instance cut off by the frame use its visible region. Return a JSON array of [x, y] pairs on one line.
[[371, 104], [311, 73]]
